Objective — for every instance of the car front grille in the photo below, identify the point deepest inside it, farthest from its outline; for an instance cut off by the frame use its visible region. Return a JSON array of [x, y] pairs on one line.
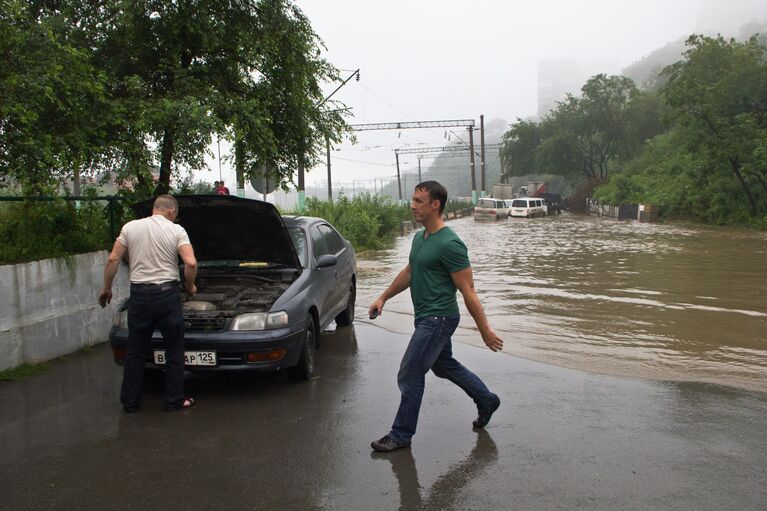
[[199, 324]]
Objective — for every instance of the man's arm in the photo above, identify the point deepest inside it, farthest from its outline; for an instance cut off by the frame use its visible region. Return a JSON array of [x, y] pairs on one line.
[[464, 281], [110, 270], [190, 268], [400, 283]]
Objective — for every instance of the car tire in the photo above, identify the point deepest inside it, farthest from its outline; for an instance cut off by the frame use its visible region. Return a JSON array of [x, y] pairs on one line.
[[305, 368], [346, 317]]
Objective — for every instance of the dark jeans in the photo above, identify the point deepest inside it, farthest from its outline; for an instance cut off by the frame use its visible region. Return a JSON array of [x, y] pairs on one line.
[[431, 348], [150, 308]]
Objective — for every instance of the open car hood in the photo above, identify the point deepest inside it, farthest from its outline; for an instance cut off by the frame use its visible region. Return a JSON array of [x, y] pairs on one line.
[[225, 227]]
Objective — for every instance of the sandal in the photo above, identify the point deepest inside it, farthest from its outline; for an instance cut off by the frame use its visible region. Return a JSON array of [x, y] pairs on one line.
[[188, 402]]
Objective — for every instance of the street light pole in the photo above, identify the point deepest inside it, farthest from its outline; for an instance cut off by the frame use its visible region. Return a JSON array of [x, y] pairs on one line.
[[471, 166], [482, 153], [399, 183], [330, 186], [301, 186], [419, 169]]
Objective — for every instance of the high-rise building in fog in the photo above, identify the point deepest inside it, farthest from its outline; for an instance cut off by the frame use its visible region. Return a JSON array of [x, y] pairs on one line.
[[555, 79]]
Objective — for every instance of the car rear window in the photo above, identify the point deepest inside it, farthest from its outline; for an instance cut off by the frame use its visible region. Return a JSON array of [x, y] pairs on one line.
[[519, 203], [486, 203]]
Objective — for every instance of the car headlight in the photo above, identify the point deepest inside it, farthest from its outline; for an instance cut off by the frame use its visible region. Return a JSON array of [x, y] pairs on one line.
[[121, 319], [260, 321]]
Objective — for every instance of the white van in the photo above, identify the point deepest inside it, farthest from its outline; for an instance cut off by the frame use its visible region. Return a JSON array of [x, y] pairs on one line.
[[528, 207], [490, 209]]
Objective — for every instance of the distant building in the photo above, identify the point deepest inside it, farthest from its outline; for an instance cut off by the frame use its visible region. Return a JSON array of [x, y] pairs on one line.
[[556, 78]]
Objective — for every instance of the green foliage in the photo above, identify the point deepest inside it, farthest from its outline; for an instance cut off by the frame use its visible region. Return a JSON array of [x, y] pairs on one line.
[[189, 186], [710, 165], [33, 230], [53, 104], [718, 94], [585, 137], [367, 221], [127, 84]]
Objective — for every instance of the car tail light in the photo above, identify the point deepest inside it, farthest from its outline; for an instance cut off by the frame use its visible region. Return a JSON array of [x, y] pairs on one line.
[[491, 212], [267, 356]]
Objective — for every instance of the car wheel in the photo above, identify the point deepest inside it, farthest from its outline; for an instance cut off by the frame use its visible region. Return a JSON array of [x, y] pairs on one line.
[[305, 368], [346, 317]]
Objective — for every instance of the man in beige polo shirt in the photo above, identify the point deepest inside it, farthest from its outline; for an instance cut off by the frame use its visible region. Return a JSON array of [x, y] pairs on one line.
[[153, 245]]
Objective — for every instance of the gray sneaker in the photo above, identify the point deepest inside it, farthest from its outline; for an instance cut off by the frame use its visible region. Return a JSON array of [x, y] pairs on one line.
[[387, 444]]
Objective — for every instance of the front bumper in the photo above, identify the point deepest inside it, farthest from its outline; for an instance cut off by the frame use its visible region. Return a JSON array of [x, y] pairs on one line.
[[231, 347]]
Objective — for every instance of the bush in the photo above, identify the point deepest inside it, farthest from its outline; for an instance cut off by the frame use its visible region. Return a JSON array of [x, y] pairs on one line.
[[33, 230], [367, 221]]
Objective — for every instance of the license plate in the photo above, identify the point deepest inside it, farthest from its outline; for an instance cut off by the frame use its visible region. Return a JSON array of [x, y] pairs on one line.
[[191, 358]]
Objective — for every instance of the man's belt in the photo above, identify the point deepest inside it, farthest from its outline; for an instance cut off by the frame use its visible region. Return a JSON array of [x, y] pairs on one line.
[[148, 286]]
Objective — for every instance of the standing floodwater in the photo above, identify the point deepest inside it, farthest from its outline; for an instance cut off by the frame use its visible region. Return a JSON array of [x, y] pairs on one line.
[[650, 300]]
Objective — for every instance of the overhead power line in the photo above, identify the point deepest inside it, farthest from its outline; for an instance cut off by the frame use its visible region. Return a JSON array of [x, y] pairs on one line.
[[413, 124], [445, 149]]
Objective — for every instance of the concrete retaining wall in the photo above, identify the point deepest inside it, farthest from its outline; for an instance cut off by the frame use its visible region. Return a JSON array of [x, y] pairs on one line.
[[50, 308]]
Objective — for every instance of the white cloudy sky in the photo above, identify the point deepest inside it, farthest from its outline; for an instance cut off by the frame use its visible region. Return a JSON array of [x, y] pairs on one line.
[[447, 59]]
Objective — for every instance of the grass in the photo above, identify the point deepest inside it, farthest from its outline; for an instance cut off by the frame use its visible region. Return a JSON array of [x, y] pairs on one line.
[[23, 371]]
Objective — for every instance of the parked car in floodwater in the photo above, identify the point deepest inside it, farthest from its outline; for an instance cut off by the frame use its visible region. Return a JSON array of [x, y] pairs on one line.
[[267, 286], [490, 209], [528, 207]]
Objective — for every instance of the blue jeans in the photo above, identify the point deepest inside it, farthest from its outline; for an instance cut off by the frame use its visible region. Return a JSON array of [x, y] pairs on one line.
[[430, 348], [150, 308]]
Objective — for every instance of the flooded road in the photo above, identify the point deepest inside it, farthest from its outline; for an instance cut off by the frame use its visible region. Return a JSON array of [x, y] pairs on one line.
[[664, 302]]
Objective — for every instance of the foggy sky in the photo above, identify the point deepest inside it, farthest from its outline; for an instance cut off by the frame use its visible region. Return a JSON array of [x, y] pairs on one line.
[[431, 60]]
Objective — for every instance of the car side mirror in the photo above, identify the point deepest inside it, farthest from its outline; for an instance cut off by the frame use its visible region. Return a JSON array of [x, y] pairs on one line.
[[326, 260]]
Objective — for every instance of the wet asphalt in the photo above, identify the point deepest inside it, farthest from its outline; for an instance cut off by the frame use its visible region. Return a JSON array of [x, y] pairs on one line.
[[562, 439]]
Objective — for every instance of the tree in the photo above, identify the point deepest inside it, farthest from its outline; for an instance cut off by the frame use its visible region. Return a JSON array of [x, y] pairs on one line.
[[520, 144], [585, 137], [718, 94], [249, 71], [53, 104]]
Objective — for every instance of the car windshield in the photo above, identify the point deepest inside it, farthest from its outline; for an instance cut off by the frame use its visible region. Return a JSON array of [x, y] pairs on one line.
[[299, 241], [519, 204]]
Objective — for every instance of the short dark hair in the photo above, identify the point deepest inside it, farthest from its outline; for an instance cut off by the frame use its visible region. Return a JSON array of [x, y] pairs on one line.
[[165, 202], [436, 192]]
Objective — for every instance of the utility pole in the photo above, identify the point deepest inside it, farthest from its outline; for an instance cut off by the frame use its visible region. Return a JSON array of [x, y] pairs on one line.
[[301, 187], [399, 183], [471, 166], [419, 169], [482, 153], [330, 186], [218, 143]]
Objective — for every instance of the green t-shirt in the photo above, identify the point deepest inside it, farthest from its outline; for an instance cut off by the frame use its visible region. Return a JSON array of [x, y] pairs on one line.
[[432, 260]]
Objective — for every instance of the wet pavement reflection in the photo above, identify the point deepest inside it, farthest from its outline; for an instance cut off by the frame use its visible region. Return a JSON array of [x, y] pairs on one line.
[[657, 301], [562, 439]]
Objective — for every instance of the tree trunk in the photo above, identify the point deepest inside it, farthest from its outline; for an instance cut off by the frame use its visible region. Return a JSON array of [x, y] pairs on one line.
[[166, 157], [735, 167]]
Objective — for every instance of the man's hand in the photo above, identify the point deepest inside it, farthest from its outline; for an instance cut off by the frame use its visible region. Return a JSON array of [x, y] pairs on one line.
[[492, 340], [105, 297], [376, 306], [190, 289]]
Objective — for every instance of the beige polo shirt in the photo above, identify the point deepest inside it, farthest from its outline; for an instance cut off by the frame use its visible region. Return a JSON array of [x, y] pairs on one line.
[[153, 244]]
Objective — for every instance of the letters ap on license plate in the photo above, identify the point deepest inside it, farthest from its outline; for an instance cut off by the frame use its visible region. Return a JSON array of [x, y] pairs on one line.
[[191, 358]]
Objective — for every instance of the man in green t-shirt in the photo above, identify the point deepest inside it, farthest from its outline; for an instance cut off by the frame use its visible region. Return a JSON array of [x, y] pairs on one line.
[[438, 266]]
